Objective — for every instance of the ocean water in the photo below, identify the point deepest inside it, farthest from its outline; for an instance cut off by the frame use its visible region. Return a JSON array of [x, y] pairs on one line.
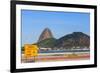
[[63, 51]]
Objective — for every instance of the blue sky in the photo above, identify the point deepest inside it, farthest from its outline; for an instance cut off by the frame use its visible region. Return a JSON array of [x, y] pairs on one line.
[[60, 23]]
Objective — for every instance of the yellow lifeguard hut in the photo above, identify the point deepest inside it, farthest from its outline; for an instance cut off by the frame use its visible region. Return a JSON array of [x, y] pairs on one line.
[[31, 50]]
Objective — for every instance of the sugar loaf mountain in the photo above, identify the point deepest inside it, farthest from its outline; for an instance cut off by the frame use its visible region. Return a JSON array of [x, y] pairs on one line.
[[69, 41]]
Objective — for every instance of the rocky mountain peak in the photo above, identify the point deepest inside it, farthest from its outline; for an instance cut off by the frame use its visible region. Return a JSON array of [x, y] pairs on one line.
[[45, 34]]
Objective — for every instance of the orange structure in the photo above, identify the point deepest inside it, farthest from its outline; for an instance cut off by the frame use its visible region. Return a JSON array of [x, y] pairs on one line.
[[31, 50]]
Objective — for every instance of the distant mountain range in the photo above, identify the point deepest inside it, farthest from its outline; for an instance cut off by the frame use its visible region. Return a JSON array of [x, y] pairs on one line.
[[73, 40]]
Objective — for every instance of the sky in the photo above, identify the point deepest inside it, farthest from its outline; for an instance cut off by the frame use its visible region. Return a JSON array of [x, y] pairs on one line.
[[60, 23]]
